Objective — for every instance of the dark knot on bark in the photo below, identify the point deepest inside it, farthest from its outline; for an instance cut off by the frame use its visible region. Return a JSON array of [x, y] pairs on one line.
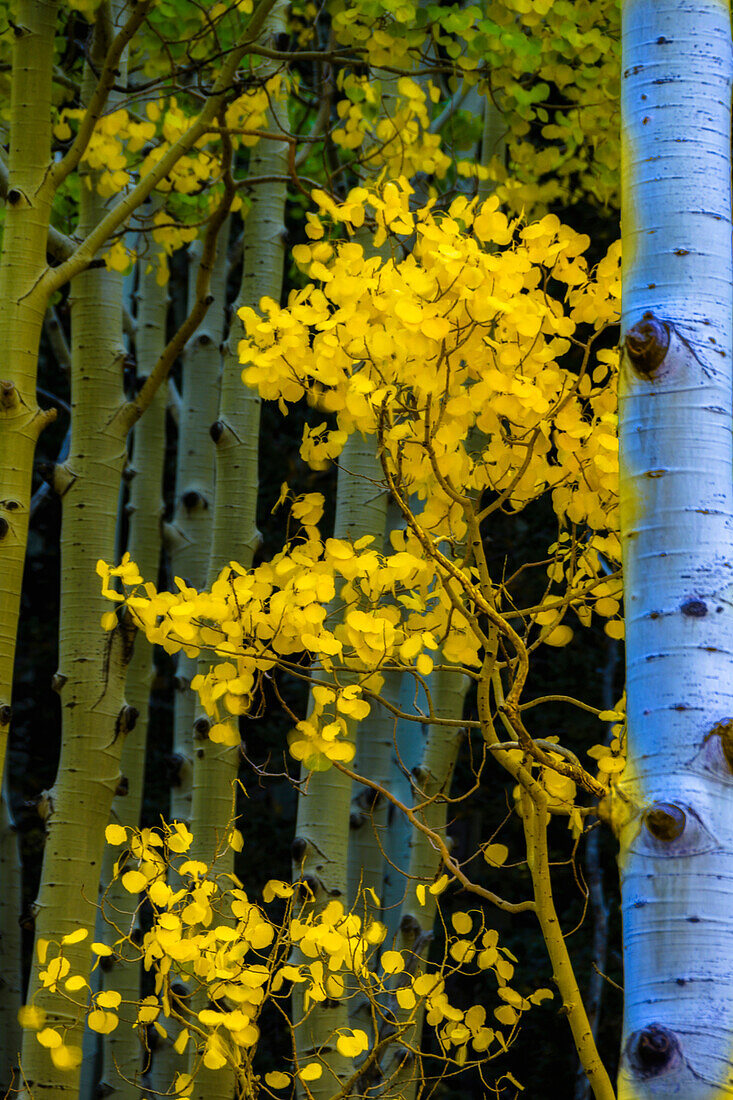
[[647, 343], [665, 821], [652, 1050]]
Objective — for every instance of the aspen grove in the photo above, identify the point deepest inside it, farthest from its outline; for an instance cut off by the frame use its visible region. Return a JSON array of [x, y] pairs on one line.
[[316, 367]]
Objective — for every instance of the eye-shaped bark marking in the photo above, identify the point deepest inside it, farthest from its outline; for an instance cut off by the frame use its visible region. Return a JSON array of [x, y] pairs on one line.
[[671, 830], [652, 1051], [665, 821]]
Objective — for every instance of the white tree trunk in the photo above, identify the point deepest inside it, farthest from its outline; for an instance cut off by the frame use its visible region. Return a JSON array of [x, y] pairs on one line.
[[674, 804]]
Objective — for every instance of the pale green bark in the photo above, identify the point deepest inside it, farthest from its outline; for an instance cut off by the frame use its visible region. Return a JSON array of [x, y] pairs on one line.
[[235, 536], [401, 1066], [92, 662], [25, 233], [10, 948], [188, 536], [370, 813], [122, 1049], [322, 831]]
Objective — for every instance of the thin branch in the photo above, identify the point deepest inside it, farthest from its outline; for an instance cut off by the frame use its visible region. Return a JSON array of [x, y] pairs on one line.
[[105, 83]]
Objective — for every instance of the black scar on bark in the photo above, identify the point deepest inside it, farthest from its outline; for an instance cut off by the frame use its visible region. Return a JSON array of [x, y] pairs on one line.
[[665, 821], [652, 1051], [647, 343], [695, 609]]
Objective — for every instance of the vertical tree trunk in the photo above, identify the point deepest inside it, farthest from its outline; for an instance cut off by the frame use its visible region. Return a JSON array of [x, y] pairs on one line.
[[188, 536], [121, 1049], [92, 663], [235, 536], [10, 947], [432, 779], [25, 231], [320, 848], [673, 804]]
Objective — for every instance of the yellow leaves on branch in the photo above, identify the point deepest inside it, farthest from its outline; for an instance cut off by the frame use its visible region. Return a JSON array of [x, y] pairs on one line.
[[453, 356], [208, 931], [460, 335]]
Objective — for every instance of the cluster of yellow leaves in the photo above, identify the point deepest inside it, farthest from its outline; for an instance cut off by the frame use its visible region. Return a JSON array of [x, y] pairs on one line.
[[208, 934], [390, 125], [463, 336], [611, 757], [254, 620], [453, 357], [533, 50]]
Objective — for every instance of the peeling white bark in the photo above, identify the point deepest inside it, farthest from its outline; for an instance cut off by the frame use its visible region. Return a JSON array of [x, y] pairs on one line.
[[675, 801]]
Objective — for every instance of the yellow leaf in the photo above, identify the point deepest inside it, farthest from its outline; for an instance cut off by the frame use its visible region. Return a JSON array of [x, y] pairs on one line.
[[277, 1080], [351, 1046], [424, 664], [159, 893], [181, 1042], [420, 893], [462, 923], [560, 636], [236, 840], [224, 733], [495, 854], [149, 1011], [49, 1038], [615, 629], [392, 962], [75, 937], [64, 1057], [31, 1017], [102, 1022], [75, 983], [311, 1072], [115, 834], [439, 886], [134, 882]]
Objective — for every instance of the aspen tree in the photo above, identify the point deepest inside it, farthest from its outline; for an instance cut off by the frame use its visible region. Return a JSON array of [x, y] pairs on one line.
[[672, 805], [92, 664], [234, 533], [11, 996], [25, 233], [30, 182], [221, 819], [122, 1054], [188, 536]]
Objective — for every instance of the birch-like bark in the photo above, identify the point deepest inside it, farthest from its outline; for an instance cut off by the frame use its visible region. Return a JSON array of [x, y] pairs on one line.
[[10, 947], [25, 233], [235, 536], [401, 1064], [672, 806], [123, 1062], [92, 663], [320, 848], [188, 536]]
